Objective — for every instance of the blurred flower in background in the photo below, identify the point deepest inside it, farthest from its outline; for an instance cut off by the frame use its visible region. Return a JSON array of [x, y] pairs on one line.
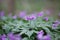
[[40, 14], [22, 14], [2, 13], [14, 17]]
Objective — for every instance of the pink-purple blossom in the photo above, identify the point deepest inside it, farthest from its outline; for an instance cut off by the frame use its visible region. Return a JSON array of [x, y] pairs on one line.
[[22, 14], [14, 17], [40, 14], [2, 13], [47, 37], [41, 36], [40, 32], [11, 36], [30, 17], [3, 37], [55, 24], [46, 18]]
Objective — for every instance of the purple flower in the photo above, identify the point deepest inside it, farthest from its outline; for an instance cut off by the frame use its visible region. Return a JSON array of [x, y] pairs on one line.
[[40, 32], [40, 35], [56, 22], [2, 13], [3, 37], [12, 36], [22, 14], [40, 14], [46, 18], [54, 26], [31, 17], [47, 37], [14, 17]]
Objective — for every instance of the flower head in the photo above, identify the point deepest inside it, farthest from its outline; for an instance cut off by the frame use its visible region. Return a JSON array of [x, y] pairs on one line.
[[2, 13], [40, 35], [40, 32], [31, 17], [14, 17], [22, 14], [55, 24], [40, 14], [12, 36], [46, 18], [47, 37], [3, 37]]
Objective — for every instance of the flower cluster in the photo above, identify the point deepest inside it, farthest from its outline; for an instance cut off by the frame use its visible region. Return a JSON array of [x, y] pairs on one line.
[[55, 24], [30, 17], [41, 36], [10, 36]]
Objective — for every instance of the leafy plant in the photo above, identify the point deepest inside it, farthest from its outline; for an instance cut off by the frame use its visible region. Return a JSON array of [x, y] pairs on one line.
[[28, 29]]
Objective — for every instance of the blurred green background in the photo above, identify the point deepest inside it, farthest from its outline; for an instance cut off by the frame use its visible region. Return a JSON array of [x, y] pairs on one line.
[[15, 6]]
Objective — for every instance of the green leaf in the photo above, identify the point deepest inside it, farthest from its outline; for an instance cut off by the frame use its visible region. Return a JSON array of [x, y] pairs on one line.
[[29, 33], [25, 38], [47, 30], [1, 31], [23, 31]]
